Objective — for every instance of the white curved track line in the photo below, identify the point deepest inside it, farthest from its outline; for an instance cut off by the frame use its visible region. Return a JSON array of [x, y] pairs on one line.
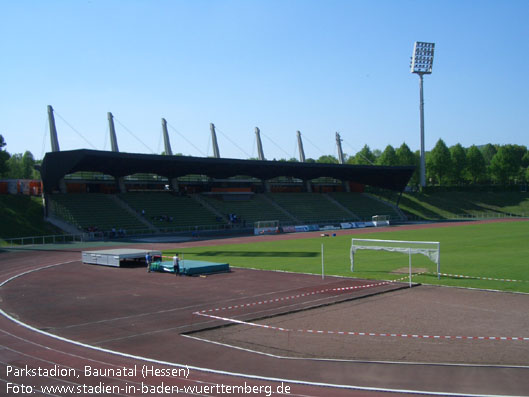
[[216, 371], [69, 354], [370, 334], [338, 360]]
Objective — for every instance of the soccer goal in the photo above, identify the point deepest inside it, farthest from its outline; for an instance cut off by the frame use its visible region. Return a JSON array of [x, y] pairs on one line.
[[266, 227], [380, 220], [430, 249]]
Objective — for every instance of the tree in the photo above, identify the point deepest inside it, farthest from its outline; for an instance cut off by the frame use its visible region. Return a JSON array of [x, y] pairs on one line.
[[364, 156], [406, 157], [4, 157], [388, 157], [327, 159], [22, 166], [15, 166], [458, 156], [28, 163], [439, 162], [476, 166], [506, 163], [489, 150], [525, 160]]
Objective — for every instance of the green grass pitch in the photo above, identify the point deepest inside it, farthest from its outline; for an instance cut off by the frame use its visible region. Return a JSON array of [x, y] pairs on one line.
[[495, 250]]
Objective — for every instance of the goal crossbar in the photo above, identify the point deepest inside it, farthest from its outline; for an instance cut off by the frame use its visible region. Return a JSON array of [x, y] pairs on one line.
[[430, 249]]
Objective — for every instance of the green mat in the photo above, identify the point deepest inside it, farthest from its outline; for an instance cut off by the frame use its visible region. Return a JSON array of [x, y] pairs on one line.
[[191, 267]]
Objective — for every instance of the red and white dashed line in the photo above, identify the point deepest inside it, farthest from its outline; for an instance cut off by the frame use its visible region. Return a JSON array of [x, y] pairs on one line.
[[480, 278], [206, 312], [376, 334], [291, 297]]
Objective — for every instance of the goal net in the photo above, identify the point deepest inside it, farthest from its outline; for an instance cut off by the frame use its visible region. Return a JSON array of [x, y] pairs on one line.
[[266, 227], [430, 249], [380, 220]]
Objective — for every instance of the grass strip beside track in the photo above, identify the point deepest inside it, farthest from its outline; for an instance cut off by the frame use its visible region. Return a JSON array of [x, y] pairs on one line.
[[490, 250]]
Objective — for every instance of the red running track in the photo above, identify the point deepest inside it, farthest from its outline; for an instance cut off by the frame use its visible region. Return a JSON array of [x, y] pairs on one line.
[[51, 310]]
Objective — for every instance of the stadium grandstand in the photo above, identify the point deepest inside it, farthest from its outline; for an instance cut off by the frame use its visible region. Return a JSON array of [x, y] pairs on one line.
[[134, 193]]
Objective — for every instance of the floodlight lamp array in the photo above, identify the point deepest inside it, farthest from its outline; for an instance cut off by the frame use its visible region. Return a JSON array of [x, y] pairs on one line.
[[422, 59]]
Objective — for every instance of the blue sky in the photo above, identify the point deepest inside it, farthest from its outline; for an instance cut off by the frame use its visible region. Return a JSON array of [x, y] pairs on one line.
[[314, 66]]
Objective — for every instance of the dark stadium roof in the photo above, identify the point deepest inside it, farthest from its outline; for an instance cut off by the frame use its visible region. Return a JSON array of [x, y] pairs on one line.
[[58, 164]]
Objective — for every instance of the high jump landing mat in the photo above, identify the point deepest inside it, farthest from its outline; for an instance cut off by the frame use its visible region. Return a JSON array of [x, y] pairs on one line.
[[192, 267], [115, 257]]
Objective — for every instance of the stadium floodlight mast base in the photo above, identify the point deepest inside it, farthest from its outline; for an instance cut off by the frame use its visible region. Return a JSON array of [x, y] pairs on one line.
[[421, 64]]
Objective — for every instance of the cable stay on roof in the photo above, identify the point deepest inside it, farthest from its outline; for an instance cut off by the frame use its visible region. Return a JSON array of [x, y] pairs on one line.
[[234, 144], [160, 137], [131, 133], [207, 148], [358, 152], [44, 138], [275, 144], [77, 132], [309, 141], [106, 137], [187, 140]]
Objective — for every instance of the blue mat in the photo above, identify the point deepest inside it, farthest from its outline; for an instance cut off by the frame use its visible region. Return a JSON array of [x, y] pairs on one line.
[[192, 268]]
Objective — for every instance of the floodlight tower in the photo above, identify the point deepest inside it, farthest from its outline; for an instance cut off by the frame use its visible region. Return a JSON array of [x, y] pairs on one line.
[[421, 64]]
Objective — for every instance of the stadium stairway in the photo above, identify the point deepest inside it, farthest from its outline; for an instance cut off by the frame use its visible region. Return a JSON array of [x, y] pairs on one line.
[[283, 210], [310, 207], [133, 213], [402, 215], [171, 212], [249, 209], [86, 210], [353, 215], [365, 206], [63, 225], [206, 204]]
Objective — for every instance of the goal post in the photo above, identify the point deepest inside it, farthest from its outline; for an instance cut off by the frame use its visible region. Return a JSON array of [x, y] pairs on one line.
[[266, 227], [430, 249], [380, 220]]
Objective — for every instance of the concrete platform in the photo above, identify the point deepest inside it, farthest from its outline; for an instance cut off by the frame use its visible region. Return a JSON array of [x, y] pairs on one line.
[[115, 257]]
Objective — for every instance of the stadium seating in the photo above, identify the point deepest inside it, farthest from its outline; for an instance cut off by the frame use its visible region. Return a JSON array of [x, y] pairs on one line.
[[364, 206], [248, 210], [310, 207], [167, 211], [141, 212], [94, 209]]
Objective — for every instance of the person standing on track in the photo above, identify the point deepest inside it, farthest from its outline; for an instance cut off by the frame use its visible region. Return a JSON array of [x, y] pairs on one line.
[[176, 264], [148, 261]]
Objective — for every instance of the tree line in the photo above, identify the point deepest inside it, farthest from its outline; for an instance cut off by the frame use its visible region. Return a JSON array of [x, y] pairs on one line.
[[455, 165], [17, 166]]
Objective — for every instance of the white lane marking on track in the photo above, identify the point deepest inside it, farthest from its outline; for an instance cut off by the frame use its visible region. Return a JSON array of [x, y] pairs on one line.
[[220, 372]]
